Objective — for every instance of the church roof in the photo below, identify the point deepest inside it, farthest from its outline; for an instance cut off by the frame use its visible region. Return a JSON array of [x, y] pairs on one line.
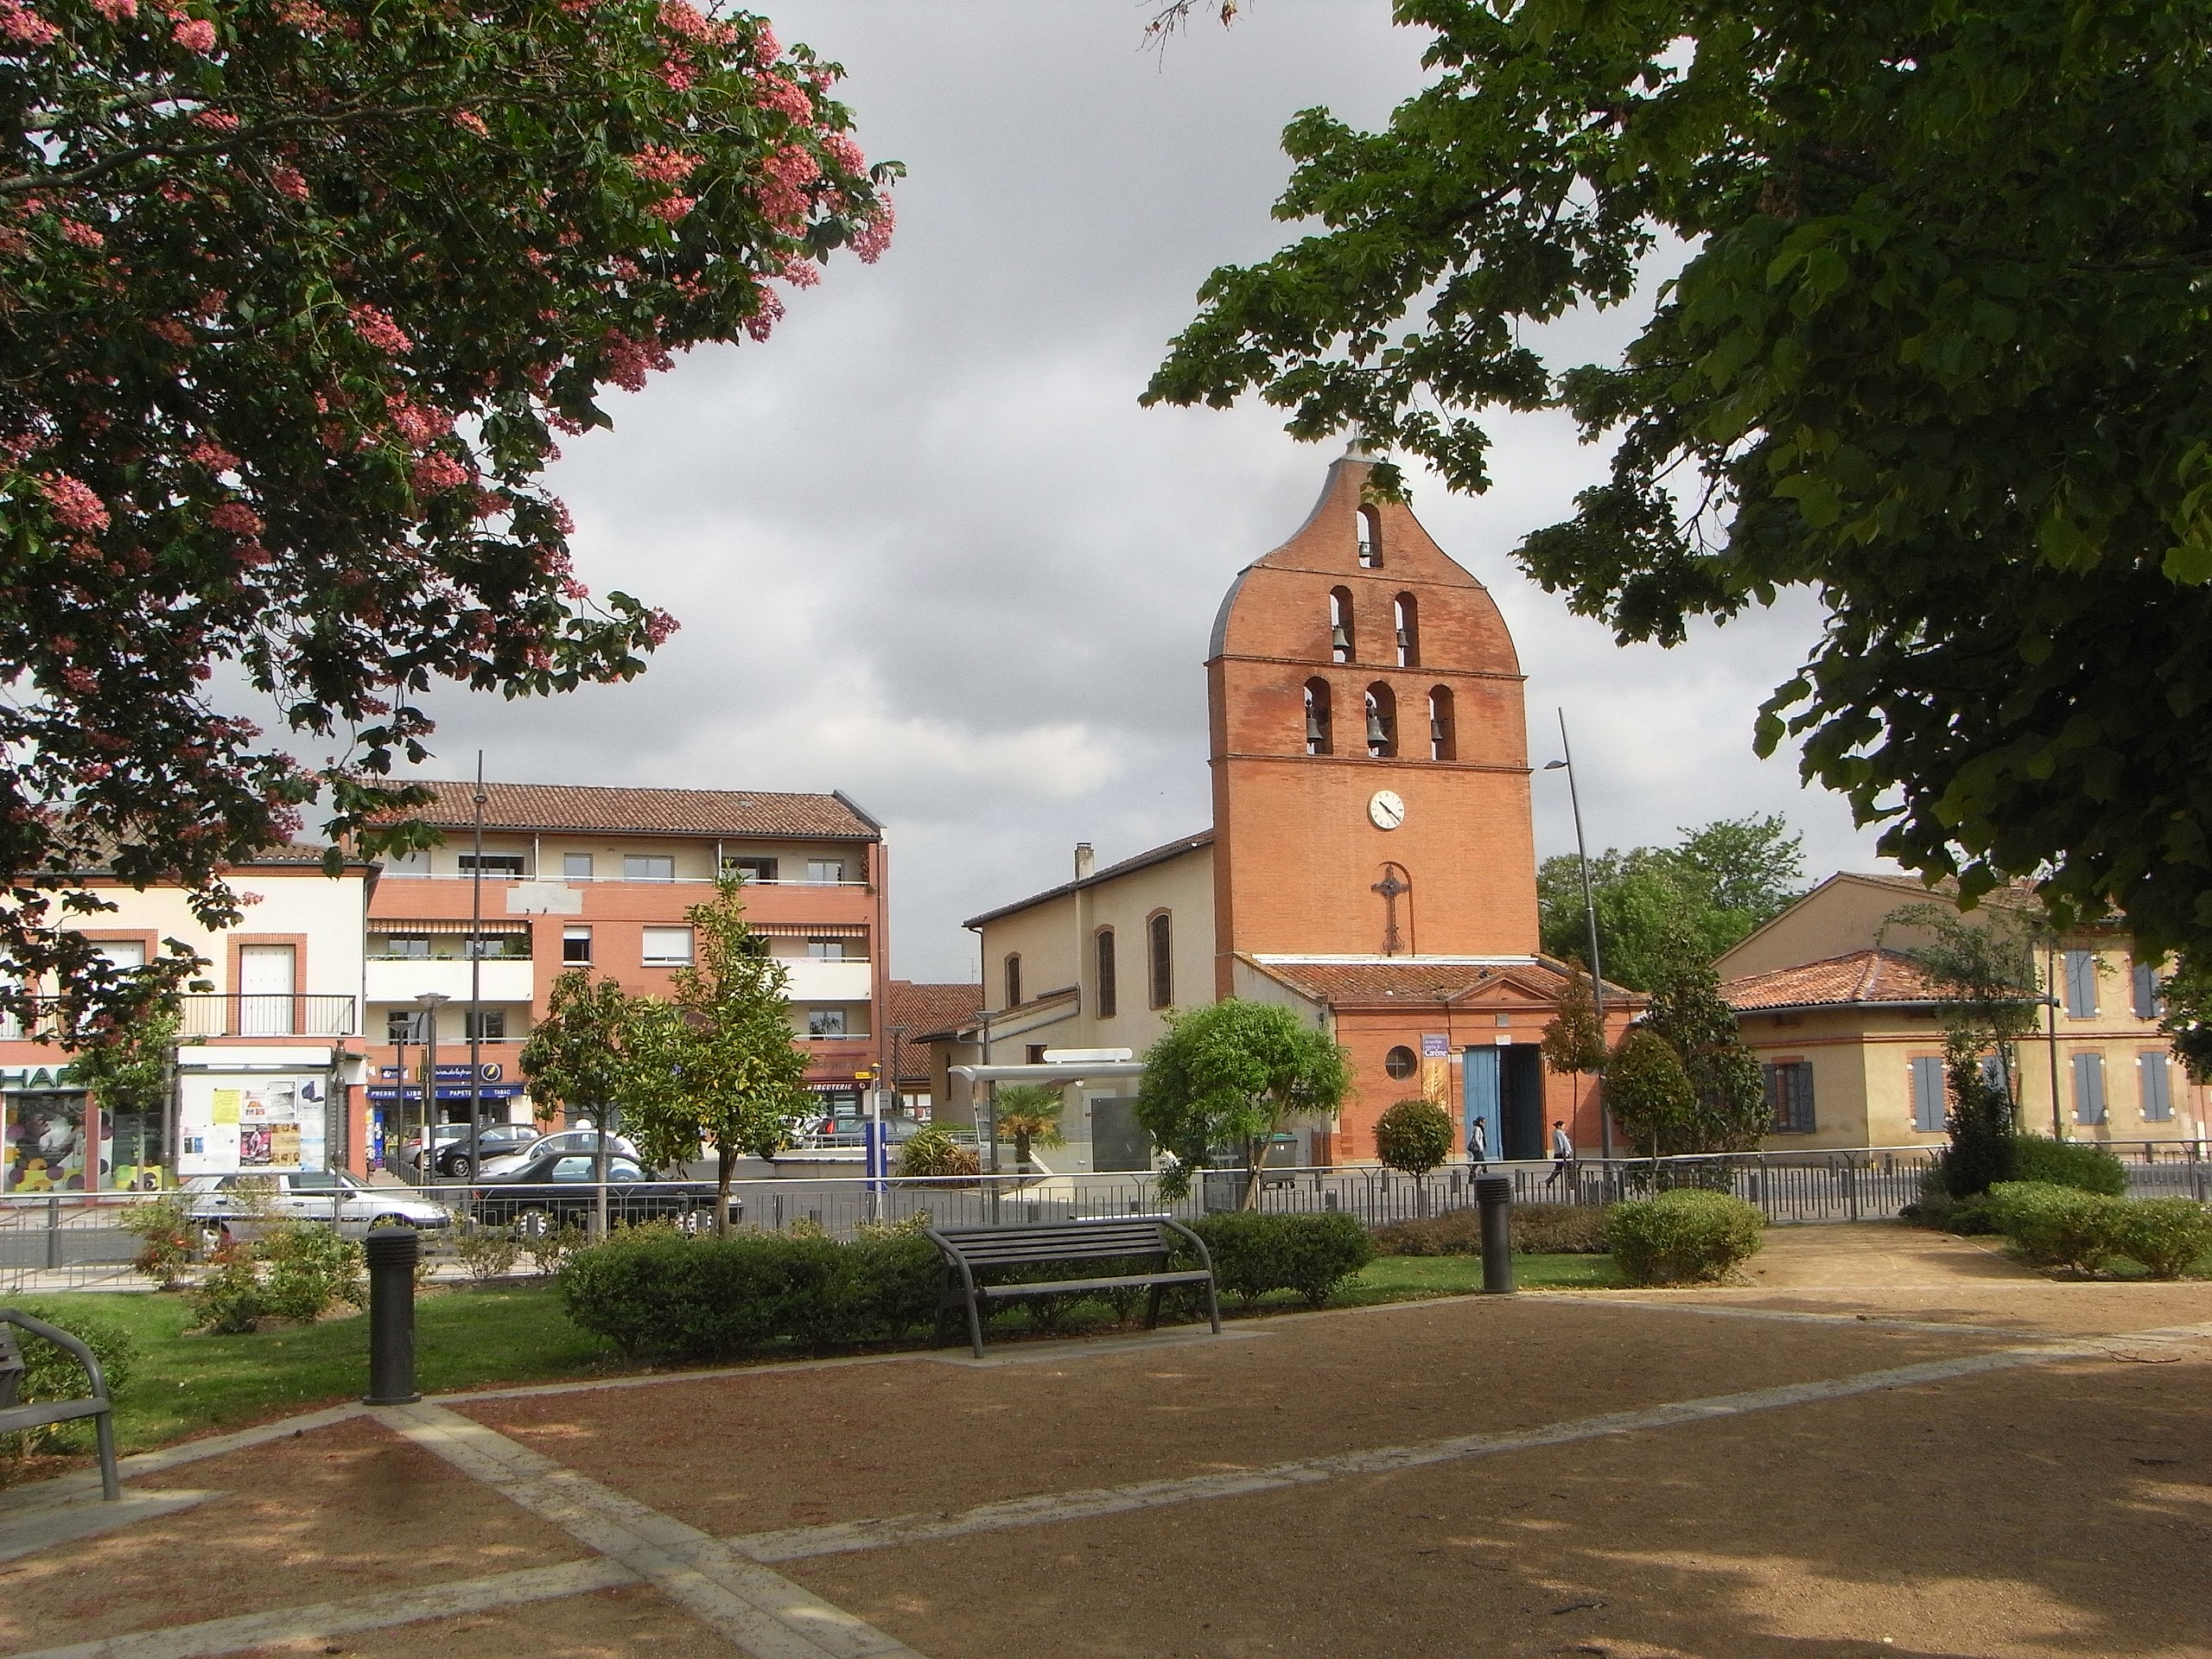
[[1145, 860]]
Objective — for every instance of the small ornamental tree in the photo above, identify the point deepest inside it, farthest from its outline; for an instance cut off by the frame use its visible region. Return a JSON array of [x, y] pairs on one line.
[[296, 297], [1649, 1091], [1729, 1111], [715, 1065], [1575, 1041], [1233, 1074], [1412, 1136], [579, 1056], [1984, 972], [1028, 1114]]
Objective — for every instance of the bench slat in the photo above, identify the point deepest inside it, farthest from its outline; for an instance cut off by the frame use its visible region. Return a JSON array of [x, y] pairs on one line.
[[990, 1292], [57, 1411]]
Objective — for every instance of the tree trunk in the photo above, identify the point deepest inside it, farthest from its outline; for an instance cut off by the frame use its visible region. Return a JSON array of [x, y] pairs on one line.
[[1255, 1153], [725, 1167]]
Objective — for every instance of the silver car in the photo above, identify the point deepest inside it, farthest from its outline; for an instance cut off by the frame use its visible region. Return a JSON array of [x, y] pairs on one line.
[[232, 1204], [565, 1142]]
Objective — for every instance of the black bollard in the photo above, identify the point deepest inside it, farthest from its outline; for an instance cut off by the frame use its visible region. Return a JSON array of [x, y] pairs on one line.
[[392, 1252], [1495, 1194]]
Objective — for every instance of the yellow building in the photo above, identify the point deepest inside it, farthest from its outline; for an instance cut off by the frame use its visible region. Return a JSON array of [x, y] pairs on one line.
[[1847, 1031]]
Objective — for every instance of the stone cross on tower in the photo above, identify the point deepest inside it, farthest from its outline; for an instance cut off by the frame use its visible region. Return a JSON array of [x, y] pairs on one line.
[[1391, 886]]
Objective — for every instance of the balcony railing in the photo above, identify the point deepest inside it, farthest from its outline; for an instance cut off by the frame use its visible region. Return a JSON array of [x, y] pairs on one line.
[[255, 1014]]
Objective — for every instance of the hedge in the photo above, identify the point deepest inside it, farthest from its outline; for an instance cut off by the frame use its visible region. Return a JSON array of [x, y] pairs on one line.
[[2037, 1158], [1256, 1251], [1538, 1229], [1688, 1234], [2056, 1226], [51, 1372]]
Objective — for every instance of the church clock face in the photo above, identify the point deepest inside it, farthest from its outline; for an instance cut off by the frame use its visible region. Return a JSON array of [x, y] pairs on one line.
[[1384, 810]]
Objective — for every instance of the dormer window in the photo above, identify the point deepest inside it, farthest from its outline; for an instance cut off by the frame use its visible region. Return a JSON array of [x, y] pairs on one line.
[[1370, 540], [1342, 646], [1319, 740], [1406, 615]]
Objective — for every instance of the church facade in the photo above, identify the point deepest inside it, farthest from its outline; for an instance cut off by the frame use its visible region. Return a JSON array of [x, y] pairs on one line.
[[1371, 862]]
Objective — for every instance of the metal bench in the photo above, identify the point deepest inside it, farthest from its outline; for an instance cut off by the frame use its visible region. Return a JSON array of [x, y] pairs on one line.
[[15, 1416], [1115, 1238]]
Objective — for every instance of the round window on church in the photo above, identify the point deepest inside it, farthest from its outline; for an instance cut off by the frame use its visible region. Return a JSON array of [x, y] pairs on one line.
[[1399, 1062]]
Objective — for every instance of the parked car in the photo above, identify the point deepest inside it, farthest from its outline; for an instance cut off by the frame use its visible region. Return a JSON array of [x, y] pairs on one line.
[[226, 1206], [451, 1140], [556, 1187], [563, 1141]]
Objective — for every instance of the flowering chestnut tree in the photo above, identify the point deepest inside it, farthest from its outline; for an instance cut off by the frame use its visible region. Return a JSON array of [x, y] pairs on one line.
[[292, 301]]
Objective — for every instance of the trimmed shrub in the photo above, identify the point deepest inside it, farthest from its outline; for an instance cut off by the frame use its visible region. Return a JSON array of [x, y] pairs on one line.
[[2056, 1226], [52, 1372], [312, 1268], [1255, 1252], [1413, 1136], [2037, 1158], [170, 1237], [655, 1290], [932, 1152], [488, 1253], [1686, 1235], [2168, 1235], [1538, 1229]]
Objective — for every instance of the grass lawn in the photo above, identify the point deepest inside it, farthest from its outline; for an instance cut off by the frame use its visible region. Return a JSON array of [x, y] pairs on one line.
[[473, 1336]]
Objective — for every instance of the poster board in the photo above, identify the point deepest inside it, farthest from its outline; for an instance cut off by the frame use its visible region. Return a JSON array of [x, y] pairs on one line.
[[231, 1121]]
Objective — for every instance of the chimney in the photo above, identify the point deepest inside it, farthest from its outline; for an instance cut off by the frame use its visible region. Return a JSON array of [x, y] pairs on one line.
[[1085, 861]]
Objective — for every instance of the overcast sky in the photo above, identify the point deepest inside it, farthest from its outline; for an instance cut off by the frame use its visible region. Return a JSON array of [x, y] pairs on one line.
[[927, 550]]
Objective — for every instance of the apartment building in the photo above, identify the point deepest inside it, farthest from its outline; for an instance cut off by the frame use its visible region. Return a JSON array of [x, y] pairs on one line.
[[572, 876], [270, 1058]]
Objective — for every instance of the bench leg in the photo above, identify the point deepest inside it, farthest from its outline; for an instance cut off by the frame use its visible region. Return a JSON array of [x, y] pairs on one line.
[[1213, 1307], [976, 1325], [1151, 1308], [111, 1488]]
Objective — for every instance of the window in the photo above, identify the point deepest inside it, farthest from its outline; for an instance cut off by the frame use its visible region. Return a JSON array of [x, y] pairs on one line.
[[122, 953], [266, 981], [575, 945], [667, 946], [753, 869], [1399, 1062], [1104, 943], [826, 950], [1381, 723], [416, 863], [1318, 738], [648, 866], [576, 866], [1405, 612], [1342, 648], [825, 1022], [494, 945], [2081, 984], [2149, 1003], [1790, 1095], [1035, 1052], [1160, 942], [1370, 539], [1014, 980], [406, 944], [11, 1020], [824, 871], [1443, 730], [492, 863], [407, 1026], [1928, 1093], [485, 1025], [2088, 1087], [2156, 1082]]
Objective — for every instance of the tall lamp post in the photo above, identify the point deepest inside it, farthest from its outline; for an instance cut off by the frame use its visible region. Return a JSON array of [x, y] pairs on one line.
[[430, 1003], [1590, 915]]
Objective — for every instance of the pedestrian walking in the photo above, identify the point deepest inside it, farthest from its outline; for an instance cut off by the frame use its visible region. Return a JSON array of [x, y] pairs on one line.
[[1562, 1156], [1478, 1147]]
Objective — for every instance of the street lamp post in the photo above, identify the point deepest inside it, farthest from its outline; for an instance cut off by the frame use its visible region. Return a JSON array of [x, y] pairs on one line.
[[476, 986], [430, 1003], [1590, 915]]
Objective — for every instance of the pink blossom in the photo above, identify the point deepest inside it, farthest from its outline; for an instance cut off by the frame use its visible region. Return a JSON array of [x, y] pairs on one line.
[[168, 328], [470, 121], [116, 11], [490, 504], [843, 151], [681, 17], [236, 518], [766, 49], [97, 771], [216, 120], [628, 362], [561, 520], [378, 329], [663, 164], [874, 233], [658, 626], [304, 14], [676, 73], [23, 26], [194, 35], [767, 312], [74, 504], [421, 424], [626, 270], [81, 680], [801, 272], [250, 552], [436, 472], [289, 182], [785, 96], [82, 234], [211, 455], [668, 209]]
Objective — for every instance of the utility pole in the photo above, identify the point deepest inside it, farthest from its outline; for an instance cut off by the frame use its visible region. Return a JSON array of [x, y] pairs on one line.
[[1590, 915], [476, 988]]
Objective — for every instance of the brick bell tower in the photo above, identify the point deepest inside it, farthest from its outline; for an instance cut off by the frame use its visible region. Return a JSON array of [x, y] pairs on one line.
[[1370, 768]]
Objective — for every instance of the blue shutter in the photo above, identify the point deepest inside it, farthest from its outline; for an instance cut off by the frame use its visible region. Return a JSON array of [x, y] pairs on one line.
[[1479, 1085], [2157, 1085], [2088, 1088], [2081, 984], [1927, 1090], [2147, 1003]]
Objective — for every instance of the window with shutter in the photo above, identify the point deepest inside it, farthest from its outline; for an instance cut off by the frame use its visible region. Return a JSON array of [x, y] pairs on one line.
[[2088, 1087], [2155, 1080], [2149, 1005], [1790, 1095], [1106, 997], [2081, 984], [1928, 1092], [1160, 941]]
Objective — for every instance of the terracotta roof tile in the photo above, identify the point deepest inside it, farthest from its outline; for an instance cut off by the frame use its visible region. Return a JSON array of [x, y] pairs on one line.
[[648, 811], [919, 1009], [1860, 976]]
